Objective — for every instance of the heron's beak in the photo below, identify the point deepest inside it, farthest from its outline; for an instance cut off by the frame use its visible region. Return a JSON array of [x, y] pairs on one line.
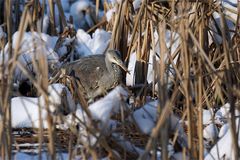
[[122, 65]]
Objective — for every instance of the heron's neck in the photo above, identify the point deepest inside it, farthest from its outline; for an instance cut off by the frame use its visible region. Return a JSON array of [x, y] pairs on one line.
[[109, 66], [114, 71]]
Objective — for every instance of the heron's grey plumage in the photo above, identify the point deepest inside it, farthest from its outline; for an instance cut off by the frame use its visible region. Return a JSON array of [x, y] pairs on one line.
[[97, 73]]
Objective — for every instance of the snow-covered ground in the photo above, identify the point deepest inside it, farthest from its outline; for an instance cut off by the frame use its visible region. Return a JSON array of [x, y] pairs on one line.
[[25, 110], [45, 155]]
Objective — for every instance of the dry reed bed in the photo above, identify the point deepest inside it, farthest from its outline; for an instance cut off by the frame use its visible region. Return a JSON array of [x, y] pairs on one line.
[[206, 72]]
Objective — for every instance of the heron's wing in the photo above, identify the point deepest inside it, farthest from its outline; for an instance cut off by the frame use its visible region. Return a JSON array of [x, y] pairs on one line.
[[88, 71]]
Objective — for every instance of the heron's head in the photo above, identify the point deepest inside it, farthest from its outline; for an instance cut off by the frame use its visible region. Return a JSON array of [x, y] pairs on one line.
[[114, 57]]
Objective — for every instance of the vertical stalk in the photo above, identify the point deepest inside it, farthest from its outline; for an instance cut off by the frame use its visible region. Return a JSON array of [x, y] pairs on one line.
[[186, 56], [61, 13], [227, 49], [7, 98], [199, 97], [204, 44], [163, 76], [52, 17], [40, 132], [35, 14]]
